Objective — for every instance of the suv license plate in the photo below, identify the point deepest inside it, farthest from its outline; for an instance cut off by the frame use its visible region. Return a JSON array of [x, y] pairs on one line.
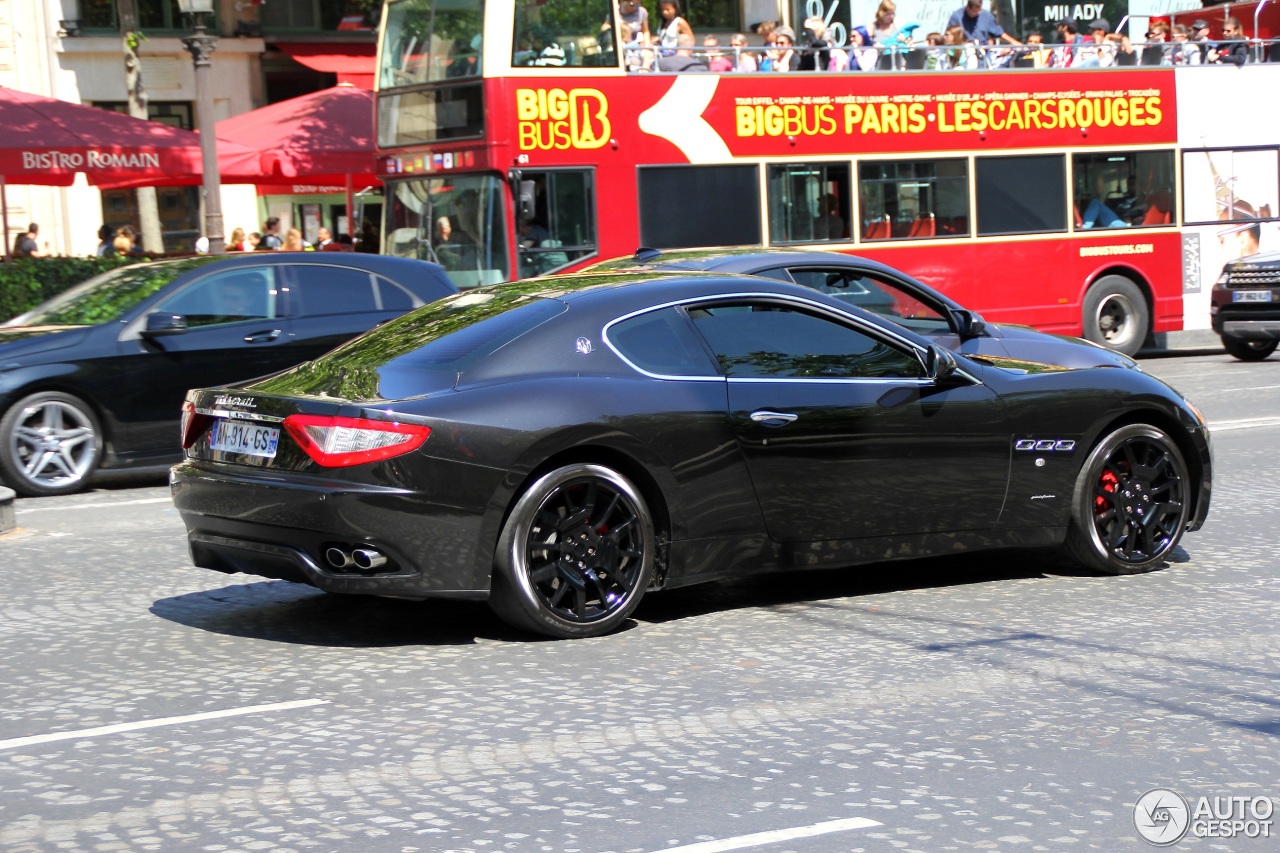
[[244, 438], [1251, 296]]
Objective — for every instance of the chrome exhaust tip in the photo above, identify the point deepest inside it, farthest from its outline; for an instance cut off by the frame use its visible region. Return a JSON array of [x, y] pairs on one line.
[[368, 558], [337, 558]]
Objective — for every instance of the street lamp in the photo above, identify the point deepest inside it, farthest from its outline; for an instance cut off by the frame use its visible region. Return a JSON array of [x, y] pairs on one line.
[[201, 45]]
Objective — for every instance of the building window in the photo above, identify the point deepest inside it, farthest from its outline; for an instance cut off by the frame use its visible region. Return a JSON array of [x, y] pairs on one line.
[[319, 15], [153, 16]]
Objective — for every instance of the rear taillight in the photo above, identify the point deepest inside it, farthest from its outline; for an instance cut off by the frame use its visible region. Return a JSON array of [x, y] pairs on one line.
[[341, 442], [194, 424]]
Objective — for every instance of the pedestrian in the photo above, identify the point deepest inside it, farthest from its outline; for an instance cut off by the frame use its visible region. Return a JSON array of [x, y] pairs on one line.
[[271, 234], [105, 235], [236, 243], [323, 239], [25, 246]]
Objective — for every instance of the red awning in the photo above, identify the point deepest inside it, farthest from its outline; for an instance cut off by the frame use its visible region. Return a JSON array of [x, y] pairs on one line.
[[353, 63]]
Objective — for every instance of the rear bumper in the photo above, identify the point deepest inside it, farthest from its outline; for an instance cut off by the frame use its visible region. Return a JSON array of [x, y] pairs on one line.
[[245, 522]]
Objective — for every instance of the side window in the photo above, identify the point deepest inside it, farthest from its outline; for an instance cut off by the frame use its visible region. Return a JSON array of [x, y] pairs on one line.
[[913, 199], [809, 203], [1021, 195], [334, 290], [880, 295], [1122, 190], [561, 226], [231, 296], [393, 296], [660, 342], [768, 340]]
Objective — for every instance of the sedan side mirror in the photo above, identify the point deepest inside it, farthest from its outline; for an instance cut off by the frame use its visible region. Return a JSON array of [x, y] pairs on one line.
[[939, 365], [969, 324], [160, 325]]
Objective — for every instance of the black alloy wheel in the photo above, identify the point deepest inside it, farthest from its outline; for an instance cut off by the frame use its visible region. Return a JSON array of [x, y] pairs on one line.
[[50, 444], [1248, 349], [576, 554], [1131, 504]]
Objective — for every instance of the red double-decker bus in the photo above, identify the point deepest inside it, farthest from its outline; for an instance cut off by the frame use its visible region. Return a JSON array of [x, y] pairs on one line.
[[1102, 203]]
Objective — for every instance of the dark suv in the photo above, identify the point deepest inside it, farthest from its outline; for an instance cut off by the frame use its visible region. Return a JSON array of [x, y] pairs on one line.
[[1246, 306], [95, 377]]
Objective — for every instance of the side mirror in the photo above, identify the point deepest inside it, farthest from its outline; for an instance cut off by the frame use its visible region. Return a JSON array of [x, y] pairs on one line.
[[969, 324], [939, 365], [525, 201], [161, 325]]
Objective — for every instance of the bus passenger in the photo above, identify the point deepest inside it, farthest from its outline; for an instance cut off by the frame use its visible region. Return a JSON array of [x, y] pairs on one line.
[[1064, 56], [683, 59], [862, 55], [1185, 52], [978, 24], [962, 54], [784, 57], [716, 60], [636, 17], [672, 27], [1097, 52], [936, 56], [746, 60]]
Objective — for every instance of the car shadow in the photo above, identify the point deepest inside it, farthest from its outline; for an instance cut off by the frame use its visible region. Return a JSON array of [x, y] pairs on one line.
[[280, 611]]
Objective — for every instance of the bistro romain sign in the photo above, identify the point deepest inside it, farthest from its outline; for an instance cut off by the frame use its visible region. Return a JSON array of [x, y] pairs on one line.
[[91, 159]]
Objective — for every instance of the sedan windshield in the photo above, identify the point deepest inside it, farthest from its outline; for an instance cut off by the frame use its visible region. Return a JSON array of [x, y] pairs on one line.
[[108, 296]]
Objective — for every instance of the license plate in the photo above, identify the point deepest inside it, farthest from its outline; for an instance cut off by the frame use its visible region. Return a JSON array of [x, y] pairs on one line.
[[1251, 296], [244, 438]]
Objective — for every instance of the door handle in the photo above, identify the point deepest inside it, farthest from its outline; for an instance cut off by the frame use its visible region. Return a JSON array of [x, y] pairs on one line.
[[262, 337], [773, 419]]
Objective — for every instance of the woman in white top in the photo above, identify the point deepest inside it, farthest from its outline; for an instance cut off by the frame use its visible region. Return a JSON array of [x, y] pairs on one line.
[[672, 27]]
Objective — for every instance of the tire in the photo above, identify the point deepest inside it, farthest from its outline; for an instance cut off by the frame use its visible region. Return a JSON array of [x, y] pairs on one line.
[[50, 444], [1131, 502], [1247, 349], [575, 555], [1116, 315]]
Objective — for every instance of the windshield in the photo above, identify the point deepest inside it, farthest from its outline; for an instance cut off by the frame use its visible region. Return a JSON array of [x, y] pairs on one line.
[[424, 350], [109, 296], [429, 40], [458, 221]]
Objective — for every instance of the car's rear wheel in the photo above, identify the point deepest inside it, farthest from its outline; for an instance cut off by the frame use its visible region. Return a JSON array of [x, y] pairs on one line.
[[575, 555], [1247, 349], [1116, 315], [1131, 502], [49, 444]]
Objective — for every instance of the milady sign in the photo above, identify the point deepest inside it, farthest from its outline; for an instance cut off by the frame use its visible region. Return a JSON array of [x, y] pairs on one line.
[[91, 159]]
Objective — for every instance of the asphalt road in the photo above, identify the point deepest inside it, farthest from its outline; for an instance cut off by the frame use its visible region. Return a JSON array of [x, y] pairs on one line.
[[988, 703]]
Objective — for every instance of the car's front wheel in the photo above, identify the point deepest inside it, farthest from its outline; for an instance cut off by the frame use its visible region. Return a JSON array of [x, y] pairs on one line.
[[49, 444], [1247, 349], [575, 555], [1131, 502]]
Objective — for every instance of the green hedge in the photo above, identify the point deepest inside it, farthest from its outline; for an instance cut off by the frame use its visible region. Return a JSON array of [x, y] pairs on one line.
[[26, 283]]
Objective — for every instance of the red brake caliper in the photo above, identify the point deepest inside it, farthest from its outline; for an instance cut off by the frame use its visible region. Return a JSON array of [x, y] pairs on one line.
[[1109, 482]]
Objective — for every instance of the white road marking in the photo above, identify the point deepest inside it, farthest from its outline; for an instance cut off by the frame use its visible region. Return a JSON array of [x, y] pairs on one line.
[[742, 842], [101, 505], [162, 721], [1243, 423]]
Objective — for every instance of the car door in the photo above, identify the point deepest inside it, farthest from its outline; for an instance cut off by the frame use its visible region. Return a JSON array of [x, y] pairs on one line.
[[843, 435], [333, 303], [236, 330]]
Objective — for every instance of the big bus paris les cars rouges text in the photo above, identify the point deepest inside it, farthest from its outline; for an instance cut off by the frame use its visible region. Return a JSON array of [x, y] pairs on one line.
[[513, 141]]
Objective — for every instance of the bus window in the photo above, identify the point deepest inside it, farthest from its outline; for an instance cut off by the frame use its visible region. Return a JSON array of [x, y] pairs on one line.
[[1021, 195], [459, 222], [430, 40], [1119, 190], [563, 35], [809, 203], [563, 225], [913, 198], [686, 206]]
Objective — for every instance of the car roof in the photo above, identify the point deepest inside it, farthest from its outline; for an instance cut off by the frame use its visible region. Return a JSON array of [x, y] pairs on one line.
[[738, 260], [374, 263]]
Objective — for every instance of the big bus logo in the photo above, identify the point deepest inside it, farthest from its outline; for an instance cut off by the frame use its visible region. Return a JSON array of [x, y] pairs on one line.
[[553, 119]]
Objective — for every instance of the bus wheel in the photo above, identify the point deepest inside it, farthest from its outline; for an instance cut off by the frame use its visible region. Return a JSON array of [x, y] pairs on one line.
[[1115, 314]]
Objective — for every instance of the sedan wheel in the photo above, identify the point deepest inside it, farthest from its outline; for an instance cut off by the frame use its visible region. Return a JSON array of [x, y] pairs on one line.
[[1131, 502], [51, 444], [576, 554]]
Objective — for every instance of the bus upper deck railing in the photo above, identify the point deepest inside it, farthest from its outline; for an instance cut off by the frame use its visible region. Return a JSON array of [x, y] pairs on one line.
[[973, 57]]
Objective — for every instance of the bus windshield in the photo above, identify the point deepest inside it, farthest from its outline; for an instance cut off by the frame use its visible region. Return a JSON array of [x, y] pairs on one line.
[[457, 221], [430, 40]]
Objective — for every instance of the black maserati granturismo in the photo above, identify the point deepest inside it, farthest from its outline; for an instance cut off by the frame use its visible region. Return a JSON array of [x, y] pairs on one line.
[[561, 446]]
